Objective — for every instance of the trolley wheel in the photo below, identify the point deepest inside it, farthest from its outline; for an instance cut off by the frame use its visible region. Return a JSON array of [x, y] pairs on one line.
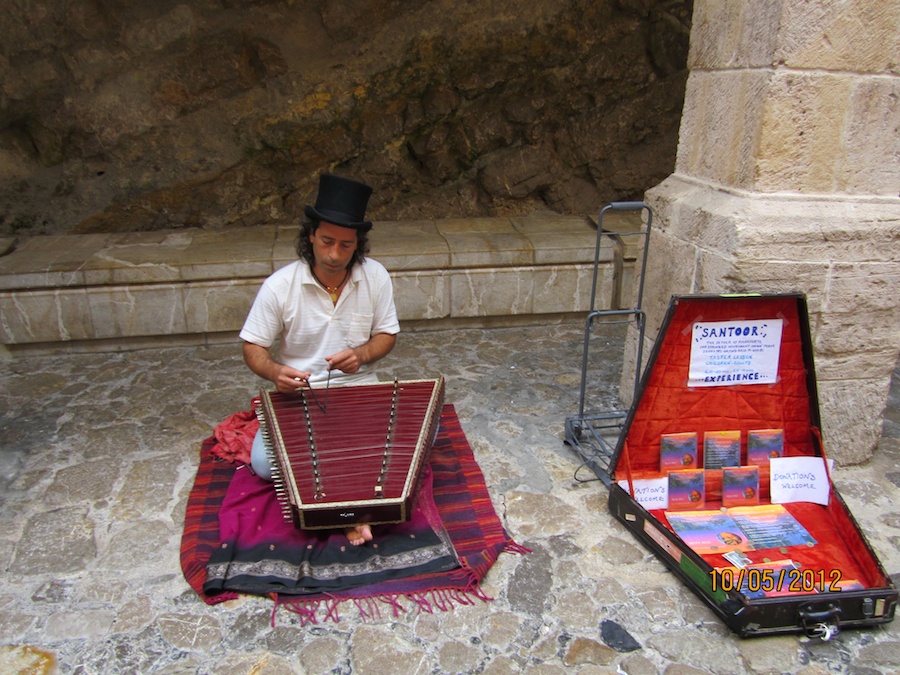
[[573, 431]]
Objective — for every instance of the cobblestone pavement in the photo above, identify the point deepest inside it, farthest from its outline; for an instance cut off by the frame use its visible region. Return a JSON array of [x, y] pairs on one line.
[[98, 453]]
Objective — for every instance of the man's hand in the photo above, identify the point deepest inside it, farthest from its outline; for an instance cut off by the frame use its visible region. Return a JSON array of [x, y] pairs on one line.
[[350, 360], [285, 378], [346, 360], [290, 379]]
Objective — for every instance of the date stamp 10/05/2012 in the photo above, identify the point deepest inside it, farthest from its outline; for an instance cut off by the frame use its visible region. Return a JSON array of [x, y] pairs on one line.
[[783, 580]]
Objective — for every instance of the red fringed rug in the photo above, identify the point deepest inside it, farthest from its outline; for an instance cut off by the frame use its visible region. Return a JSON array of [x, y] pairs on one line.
[[461, 502]]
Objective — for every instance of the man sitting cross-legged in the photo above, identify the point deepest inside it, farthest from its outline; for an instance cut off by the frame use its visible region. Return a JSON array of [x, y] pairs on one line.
[[332, 310]]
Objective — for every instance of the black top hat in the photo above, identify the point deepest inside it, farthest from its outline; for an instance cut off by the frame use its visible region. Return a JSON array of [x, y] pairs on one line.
[[341, 201]]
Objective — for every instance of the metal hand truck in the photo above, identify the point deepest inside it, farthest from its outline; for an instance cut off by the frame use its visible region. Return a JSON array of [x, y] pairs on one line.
[[595, 435]]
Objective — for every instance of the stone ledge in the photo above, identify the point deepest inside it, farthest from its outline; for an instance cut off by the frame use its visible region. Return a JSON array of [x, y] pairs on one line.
[[69, 288]]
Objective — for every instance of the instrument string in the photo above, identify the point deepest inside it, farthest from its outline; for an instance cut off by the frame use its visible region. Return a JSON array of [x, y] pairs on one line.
[[317, 477], [322, 406], [360, 457], [337, 444]]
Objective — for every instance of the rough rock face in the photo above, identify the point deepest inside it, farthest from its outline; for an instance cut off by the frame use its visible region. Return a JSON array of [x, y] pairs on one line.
[[124, 115]]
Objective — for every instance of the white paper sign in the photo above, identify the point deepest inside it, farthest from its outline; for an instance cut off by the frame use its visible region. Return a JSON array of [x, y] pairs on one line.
[[651, 493], [734, 352], [799, 479]]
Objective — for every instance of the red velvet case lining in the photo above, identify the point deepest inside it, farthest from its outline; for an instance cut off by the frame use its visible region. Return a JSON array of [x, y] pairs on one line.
[[668, 405]]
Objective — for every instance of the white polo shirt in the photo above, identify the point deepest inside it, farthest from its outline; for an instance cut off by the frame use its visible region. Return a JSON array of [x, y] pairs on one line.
[[292, 306]]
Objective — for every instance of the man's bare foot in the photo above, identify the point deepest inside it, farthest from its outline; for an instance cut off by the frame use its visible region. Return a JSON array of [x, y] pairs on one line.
[[359, 535]]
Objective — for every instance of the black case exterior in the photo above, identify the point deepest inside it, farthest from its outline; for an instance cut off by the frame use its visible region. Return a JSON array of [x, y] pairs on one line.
[[816, 614]]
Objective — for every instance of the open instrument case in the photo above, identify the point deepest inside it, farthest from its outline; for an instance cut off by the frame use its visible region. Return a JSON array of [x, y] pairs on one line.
[[838, 582]]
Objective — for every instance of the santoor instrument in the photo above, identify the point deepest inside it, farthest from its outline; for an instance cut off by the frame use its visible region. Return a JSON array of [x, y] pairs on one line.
[[353, 455]]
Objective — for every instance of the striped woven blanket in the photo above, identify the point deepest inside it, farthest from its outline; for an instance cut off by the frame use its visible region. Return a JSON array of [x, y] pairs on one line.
[[234, 543]]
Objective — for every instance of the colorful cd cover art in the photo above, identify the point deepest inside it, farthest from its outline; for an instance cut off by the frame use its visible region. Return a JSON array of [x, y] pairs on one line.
[[740, 486], [708, 531], [771, 526], [763, 445], [746, 528], [721, 449], [678, 451], [687, 489]]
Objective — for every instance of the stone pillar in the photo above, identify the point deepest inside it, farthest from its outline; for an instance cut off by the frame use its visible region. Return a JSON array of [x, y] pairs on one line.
[[787, 179]]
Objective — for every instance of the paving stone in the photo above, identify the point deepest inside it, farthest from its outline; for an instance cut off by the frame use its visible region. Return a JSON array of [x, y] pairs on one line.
[[376, 649], [145, 652], [546, 669], [610, 592], [617, 637], [90, 624], [563, 547], [147, 489], [114, 441], [428, 626], [585, 650], [620, 552], [775, 654], [56, 542], [109, 557], [14, 623], [458, 657], [270, 664], [577, 610], [320, 655], [687, 647], [190, 632], [540, 514], [548, 646], [812, 670], [636, 664], [501, 628], [54, 591], [134, 615], [532, 582], [136, 545], [659, 604], [884, 654], [502, 666], [681, 669], [87, 482]]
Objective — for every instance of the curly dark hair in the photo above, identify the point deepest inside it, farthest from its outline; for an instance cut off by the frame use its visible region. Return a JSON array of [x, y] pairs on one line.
[[305, 249]]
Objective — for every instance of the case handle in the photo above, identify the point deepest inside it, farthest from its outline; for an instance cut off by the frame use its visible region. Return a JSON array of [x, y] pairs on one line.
[[820, 623]]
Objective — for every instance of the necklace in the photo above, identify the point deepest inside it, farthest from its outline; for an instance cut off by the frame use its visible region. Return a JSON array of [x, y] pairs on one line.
[[331, 290]]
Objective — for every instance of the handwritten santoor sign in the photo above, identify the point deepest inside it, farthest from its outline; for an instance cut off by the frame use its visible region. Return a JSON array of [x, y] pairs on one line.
[[726, 353]]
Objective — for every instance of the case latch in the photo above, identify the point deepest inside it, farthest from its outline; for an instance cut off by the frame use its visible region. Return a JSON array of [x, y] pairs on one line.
[[820, 622]]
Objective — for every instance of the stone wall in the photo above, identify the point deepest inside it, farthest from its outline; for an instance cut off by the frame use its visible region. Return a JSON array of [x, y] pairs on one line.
[[114, 291], [134, 116], [787, 179]]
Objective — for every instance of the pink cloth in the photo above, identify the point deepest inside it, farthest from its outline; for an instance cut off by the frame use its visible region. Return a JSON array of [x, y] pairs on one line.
[[234, 437]]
